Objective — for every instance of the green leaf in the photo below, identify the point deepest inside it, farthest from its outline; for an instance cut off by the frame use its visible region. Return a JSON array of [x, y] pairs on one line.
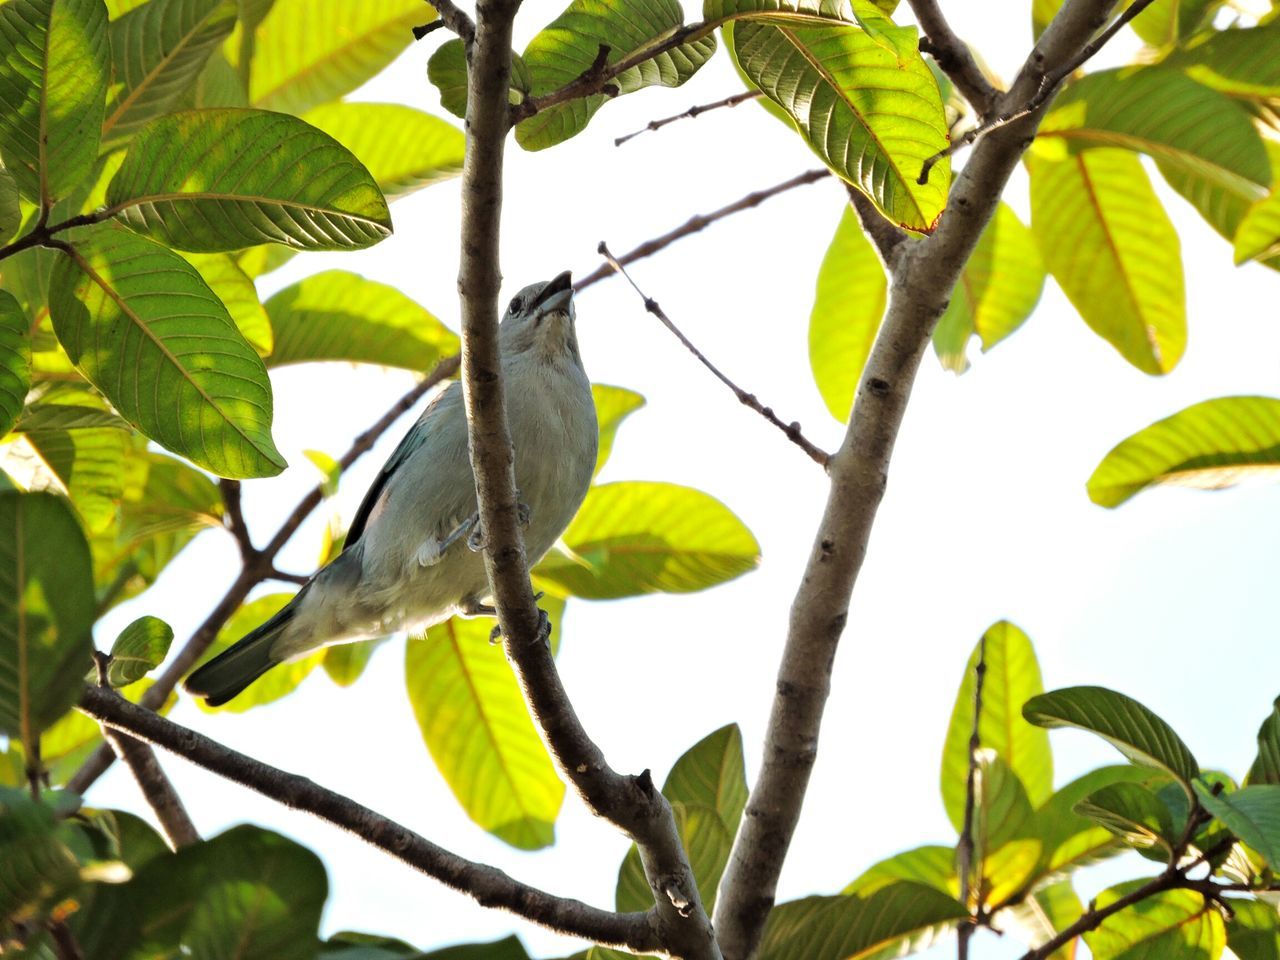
[[1266, 766], [15, 361], [1005, 852], [1162, 113], [144, 329], [53, 83], [1252, 813], [998, 288], [404, 149], [1123, 722], [363, 946], [613, 405], [1253, 932], [1239, 62], [1165, 23], [218, 85], [296, 69], [139, 649], [1110, 245], [569, 45], [36, 868], [10, 211], [158, 51], [639, 537], [872, 119], [345, 662], [212, 180], [473, 718], [278, 682], [707, 842], [1211, 444], [892, 921], [46, 612], [1174, 925], [934, 866], [1133, 813], [337, 315], [712, 774], [1044, 914], [845, 319], [235, 289], [248, 889], [88, 465], [1068, 840], [1012, 678], [447, 71], [1258, 237]]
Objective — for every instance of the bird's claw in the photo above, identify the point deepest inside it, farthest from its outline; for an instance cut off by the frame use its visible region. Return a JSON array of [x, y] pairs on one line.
[[544, 627], [476, 541]]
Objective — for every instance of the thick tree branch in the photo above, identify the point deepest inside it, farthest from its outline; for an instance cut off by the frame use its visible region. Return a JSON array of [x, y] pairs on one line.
[[254, 572], [884, 236], [921, 282], [693, 112], [453, 17], [700, 222], [631, 803], [953, 56], [487, 885], [790, 430]]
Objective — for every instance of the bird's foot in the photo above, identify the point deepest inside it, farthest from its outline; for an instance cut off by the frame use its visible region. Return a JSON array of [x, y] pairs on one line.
[[477, 542], [544, 626], [473, 607]]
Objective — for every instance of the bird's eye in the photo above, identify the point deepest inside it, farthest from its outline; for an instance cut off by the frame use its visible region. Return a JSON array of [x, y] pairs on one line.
[[516, 305]]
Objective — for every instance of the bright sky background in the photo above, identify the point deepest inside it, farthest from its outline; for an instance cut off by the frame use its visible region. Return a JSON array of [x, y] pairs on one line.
[[1170, 598]]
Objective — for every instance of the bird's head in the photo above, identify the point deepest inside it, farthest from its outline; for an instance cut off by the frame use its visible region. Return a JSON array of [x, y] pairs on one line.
[[540, 318]]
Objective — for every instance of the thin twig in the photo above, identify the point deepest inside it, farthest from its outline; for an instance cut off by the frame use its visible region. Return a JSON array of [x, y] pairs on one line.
[[700, 222], [790, 430], [230, 490], [965, 848], [1048, 88], [260, 569], [691, 113], [64, 941], [488, 885], [426, 28], [953, 56], [41, 234]]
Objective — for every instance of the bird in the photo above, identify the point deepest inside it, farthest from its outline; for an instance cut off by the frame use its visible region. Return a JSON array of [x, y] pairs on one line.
[[412, 554]]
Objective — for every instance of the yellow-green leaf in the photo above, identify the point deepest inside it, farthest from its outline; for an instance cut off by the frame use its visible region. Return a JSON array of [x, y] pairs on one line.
[[846, 314], [613, 405], [1110, 245], [143, 327], [1173, 925], [238, 294], [638, 537], [15, 360], [342, 316], [1211, 444], [53, 85], [214, 180], [1258, 237], [474, 721], [139, 649]]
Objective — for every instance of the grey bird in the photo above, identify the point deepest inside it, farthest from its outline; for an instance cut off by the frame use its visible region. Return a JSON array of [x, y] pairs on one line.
[[411, 556]]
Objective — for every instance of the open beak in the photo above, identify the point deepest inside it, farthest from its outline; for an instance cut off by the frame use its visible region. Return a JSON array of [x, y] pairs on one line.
[[556, 295]]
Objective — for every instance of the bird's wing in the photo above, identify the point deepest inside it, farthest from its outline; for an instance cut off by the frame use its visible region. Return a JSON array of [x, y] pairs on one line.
[[446, 404]]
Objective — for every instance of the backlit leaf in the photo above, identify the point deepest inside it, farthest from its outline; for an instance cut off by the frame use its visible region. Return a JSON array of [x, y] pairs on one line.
[[1211, 444], [1174, 925], [146, 330], [1108, 242], [474, 721], [712, 774], [1133, 813], [707, 843], [1239, 62], [214, 180], [139, 649], [235, 289], [613, 405], [1258, 237], [932, 865], [638, 537], [89, 466], [1266, 766], [1252, 813], [53, 83], [15, 361]]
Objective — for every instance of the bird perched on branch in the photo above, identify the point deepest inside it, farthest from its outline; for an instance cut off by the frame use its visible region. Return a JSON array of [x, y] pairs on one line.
[[412, 557]]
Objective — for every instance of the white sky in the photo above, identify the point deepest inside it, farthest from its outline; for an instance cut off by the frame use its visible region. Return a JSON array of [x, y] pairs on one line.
[[1171, 598]]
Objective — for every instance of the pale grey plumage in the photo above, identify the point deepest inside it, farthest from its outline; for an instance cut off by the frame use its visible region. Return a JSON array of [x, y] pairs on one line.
[[399, 570]]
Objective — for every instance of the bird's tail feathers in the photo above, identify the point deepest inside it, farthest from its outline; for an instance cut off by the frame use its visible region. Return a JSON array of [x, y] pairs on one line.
[[243, 662]]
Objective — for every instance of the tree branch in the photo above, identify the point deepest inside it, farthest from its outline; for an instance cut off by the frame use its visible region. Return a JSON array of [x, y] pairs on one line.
[[921, 282], [953, 56], [692, 113], [453, 17], [790, 430], [488, 886], [631, 803], [965, 848], [156, 788], [884, 236], [250, 575], [700, 222]]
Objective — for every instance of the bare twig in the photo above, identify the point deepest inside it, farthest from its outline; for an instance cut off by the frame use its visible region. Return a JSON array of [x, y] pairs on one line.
[[1045, 92], [64, 941], [700, 222], [426, 28], [230, 490], [790, 430], [922, 278], [965, 848], [487, 885], [953, 56], [251, 575], [693, 112], [42, 233], [453, 17]]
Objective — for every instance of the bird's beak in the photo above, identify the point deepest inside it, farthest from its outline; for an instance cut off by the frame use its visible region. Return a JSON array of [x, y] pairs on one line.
[[556, 295]]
